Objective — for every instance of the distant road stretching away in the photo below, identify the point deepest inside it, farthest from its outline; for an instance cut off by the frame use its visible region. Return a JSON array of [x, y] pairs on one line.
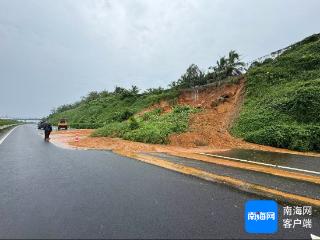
[[49, 192]]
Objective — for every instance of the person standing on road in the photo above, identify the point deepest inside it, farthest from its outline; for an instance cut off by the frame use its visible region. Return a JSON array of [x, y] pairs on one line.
[[47, 130]]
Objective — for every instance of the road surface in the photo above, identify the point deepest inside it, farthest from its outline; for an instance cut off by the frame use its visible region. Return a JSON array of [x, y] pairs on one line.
[[49, 192], [291, 162]]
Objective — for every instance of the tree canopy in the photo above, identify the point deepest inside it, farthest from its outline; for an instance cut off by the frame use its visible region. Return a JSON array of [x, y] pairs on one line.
[[226, 66]]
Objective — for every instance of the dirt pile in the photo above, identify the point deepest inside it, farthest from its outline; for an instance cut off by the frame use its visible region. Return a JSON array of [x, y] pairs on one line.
[[220, 105]]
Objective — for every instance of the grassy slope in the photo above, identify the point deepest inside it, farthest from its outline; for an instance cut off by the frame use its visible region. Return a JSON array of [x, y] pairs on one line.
[[152, 127], [282, 104], [7, 122], [108, 109], [113, 116]]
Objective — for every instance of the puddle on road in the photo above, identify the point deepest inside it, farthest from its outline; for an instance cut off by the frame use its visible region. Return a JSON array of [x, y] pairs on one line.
[[283, 159]]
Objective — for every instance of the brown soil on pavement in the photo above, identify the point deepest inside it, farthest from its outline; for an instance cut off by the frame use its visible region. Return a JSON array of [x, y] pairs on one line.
[[81, 139]]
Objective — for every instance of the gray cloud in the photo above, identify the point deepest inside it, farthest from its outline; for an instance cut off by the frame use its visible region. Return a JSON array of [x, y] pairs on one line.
[[54, 52]]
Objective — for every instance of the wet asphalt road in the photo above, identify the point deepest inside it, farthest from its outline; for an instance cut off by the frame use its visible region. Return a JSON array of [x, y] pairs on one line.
[[282, 159], [280, 183], [49, 192]]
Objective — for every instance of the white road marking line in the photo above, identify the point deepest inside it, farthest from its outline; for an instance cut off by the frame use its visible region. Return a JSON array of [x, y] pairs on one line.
[[5, 136], [260, 163]]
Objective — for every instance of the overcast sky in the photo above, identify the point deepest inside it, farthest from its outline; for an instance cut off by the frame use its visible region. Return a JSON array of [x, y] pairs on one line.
[[54, 52]]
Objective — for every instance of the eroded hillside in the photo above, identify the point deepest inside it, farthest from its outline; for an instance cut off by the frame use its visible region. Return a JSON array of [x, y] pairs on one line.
[[220, 105], [276, 103]]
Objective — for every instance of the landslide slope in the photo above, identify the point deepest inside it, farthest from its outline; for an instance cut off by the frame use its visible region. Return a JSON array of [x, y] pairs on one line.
[[282, 99]]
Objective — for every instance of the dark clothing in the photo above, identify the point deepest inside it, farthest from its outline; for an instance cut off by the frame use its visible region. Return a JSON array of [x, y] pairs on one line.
[[47, 130], [46, 135]]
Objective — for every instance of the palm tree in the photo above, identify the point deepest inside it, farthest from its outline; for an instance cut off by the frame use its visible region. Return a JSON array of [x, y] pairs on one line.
[[227, 66], [221, 68], [134, 90], [233, 63]]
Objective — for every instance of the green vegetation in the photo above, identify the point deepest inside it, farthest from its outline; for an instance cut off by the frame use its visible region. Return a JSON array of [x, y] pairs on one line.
[[281, 109], [151, 127], [4, 122], [282, 104], [98, 109], [113, 112], [225, 68]]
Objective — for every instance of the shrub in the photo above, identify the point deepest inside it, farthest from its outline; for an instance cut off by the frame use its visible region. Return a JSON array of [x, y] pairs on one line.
[[285, 136], [122, 115], [152, 127], [147, 134], [282, 104], [115, 129], [181, 109], [152, 114], [91, 125], [133, 123], [304, 104]]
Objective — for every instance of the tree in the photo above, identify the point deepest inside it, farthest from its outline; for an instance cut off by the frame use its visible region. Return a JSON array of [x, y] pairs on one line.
[[104, 93], [226, 67], [134, 90], [173, 84], [154, 90], [91, 96], [193, 77], [125, 93], [234, 65], [119, 90], [221, 68]]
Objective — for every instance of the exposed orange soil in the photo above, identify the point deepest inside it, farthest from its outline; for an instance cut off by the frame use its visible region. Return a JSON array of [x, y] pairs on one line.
[[81, 139], [208, 129]]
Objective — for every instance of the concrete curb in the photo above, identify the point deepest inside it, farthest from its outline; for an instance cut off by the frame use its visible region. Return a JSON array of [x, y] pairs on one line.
[[232, 182], [251, 167]]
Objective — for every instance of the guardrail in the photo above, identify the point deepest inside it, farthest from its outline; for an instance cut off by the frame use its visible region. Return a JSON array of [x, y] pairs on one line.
[[231, 79], [272, 55]]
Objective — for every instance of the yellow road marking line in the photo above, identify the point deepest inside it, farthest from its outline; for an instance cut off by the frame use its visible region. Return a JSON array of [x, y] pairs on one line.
[[252, 167], [233, 182]]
